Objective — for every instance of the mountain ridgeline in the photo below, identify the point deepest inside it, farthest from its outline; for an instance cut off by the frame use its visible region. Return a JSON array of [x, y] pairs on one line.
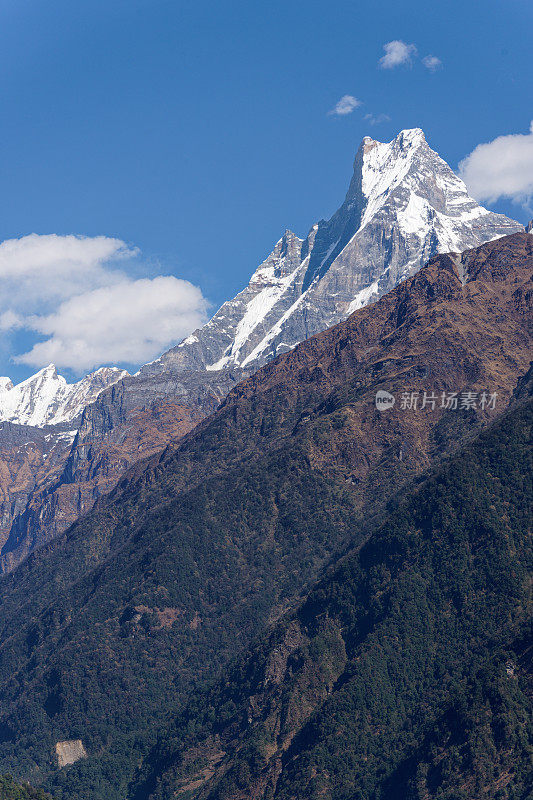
[[404, 204], [107, 630], [46, 399]]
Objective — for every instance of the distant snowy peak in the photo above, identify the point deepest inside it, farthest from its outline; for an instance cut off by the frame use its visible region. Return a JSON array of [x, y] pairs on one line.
[[404, 204], [47, 399]]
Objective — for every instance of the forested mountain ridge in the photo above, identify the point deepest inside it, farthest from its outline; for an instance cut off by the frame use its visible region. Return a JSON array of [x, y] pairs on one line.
[[103, 631], [405, 673]]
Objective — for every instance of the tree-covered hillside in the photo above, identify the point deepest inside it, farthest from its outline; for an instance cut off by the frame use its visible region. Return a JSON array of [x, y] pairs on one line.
[[9, 790], [404, 675]]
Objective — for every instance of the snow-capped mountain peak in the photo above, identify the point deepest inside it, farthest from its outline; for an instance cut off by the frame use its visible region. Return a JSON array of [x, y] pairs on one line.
[[280, 261], [404, 204], [47, 399]]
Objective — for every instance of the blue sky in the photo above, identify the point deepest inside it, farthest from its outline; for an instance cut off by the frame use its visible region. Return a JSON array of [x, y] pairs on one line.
[[196, 132]]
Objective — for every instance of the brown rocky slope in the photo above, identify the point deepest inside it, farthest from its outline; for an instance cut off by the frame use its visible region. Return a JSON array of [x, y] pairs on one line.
[[365, 249], [43, 495], [51, 476], [29, 457]]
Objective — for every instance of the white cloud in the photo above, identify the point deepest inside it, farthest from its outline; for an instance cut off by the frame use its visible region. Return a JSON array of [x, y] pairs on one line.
[[10, 321], [345, 105], [130, 322], [432, 63], [36, 270], [376, 119], [501, 168], [397, 53], [76, 292]]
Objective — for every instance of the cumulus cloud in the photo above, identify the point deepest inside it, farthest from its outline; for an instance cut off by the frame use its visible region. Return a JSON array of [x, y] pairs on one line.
[[130, 322], [42, 269], [501, 168], [76, 294], [432, 63], [397, 53], [376, 119], [345, 105]]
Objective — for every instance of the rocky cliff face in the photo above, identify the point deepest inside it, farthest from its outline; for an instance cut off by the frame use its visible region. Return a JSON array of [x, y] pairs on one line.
[[403, 205], [50, 476], [38, 422], [28, 457]]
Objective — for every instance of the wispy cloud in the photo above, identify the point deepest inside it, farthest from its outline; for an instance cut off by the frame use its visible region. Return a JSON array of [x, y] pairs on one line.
[[78, 293], [501, 168], [376, 119], [10, 321], [397, 53], [345, 105], [432, 63]]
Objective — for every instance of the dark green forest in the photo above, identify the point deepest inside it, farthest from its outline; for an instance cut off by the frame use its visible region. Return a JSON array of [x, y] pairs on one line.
[[180, 567]]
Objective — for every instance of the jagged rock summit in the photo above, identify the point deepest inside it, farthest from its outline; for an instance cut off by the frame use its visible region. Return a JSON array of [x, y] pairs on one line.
[[404, 204], [47, 399]]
